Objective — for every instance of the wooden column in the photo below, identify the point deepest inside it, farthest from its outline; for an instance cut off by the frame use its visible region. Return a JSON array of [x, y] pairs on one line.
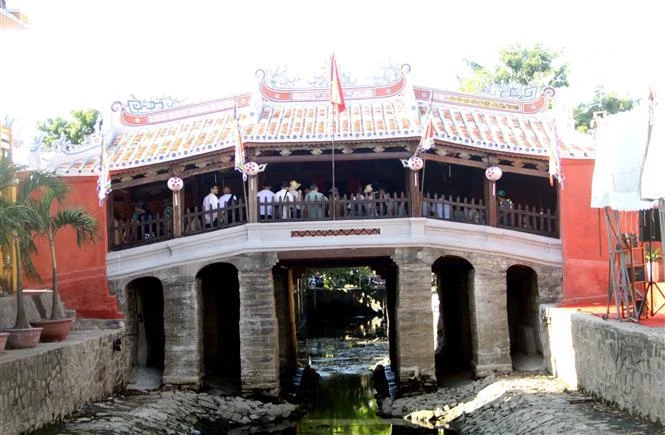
[[490, 198], [414, 193], [178, 198], [252, 203]]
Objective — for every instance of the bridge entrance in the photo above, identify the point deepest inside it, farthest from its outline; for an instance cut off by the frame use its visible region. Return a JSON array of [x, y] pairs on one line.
[[452, 301], [219, 293]]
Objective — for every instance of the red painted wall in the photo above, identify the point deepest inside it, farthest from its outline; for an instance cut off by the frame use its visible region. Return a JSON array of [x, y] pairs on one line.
[[81, 271], [583, 236]]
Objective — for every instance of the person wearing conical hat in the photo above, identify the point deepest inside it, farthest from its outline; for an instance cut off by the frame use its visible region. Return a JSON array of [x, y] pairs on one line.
[[296, 193]]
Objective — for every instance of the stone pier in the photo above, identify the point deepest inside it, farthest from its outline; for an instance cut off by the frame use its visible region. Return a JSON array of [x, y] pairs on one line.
[[259, 339], [415, 337], [182, 331], [491, 316]]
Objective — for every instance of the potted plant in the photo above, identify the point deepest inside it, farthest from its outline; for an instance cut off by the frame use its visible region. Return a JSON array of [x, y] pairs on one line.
[[15, 217], [45, 222], [652, 257]]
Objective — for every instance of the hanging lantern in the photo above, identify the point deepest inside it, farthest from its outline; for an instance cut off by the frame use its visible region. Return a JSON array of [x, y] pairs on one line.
[[493, 173], [175, 184], [415, 163], [252, 168]]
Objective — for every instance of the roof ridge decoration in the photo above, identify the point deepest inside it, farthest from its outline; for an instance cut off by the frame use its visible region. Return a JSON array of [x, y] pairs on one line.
[[538, 104], [304, 95], [181, 112]]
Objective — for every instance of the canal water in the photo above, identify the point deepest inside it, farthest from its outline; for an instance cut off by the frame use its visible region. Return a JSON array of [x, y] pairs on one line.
[[343, 402]]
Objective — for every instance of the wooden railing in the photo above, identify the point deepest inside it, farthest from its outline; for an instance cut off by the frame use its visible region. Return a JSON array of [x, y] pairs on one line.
[[227, 215], [154, 228], [470, 211], [388, 206], [529, 220]]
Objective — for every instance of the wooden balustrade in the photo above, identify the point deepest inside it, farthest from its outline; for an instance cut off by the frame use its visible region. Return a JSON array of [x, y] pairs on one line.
[[470, 211], [155, 228]]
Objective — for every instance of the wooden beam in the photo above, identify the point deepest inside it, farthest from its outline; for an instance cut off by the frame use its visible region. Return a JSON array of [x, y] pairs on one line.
[[483, 165], [328, 157], [334, 255]]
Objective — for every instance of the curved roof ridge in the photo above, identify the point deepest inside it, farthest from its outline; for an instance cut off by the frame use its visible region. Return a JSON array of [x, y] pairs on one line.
[[302, 95], [181, 112], [538, 104]]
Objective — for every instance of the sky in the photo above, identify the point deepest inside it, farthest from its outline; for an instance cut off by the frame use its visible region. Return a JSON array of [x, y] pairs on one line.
[[90, 53]]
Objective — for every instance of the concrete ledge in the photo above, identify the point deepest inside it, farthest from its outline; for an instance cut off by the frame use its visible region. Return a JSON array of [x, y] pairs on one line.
[[622, 363], [44, 384], [37, 306]]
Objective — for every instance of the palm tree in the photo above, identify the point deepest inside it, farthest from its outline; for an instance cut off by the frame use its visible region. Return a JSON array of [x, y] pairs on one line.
[[47, 225], [16, 215]]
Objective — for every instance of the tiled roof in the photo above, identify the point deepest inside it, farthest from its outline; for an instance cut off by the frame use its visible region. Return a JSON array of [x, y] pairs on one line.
[[388, 112]]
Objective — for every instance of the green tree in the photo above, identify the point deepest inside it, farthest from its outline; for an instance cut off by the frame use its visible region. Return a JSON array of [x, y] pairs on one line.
[[602, 101], [534, 65], [46, 224], [74, 130], [16, 215]]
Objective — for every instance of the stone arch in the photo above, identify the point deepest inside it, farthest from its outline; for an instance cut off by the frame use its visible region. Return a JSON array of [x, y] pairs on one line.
[[219, 291], [522, 304], [452, 304], [144, 298]]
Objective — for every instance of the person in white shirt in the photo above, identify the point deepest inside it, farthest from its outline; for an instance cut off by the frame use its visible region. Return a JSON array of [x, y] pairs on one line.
[[264, 196], [227, 198], [210, 204], [283, 195]]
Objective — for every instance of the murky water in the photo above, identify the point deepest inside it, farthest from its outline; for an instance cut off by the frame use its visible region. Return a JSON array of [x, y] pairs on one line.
[[343, 403]]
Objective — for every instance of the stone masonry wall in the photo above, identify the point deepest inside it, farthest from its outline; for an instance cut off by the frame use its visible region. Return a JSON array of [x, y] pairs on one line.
[[415, 338], [622, 363], [41, 385]]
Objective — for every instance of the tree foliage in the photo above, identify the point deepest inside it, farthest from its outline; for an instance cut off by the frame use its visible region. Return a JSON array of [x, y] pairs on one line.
[[602, 101], [74, 130], [534, 65]]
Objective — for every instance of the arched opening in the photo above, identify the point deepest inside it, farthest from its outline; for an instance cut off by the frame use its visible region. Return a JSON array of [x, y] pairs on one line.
[[145, 306], [220, 292], [453, 316], [522, 303]]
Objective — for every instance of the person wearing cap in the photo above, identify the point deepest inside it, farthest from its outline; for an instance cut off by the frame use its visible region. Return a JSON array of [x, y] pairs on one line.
[[315, 210], [294, 188], [227, 198], [283, 196], [266, 197], [505, 204]]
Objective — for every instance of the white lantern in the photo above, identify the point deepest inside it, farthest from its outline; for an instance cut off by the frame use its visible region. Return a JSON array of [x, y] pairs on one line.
[[252, 168], [493, 173], [415, 163], [175, 184]]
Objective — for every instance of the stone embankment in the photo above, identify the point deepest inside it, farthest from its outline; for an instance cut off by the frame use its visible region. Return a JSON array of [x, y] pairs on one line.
[[177, 412], [515, 404]]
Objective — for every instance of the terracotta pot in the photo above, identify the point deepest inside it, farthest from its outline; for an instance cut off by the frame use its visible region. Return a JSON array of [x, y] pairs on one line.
[[3, 340], [23, 338], [54, 330], [652, 267]]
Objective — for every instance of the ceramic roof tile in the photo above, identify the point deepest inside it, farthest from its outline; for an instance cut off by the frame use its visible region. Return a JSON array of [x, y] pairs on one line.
[[297, 116]]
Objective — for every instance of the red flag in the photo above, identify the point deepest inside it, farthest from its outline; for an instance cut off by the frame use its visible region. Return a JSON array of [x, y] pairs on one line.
[[336, 93]]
